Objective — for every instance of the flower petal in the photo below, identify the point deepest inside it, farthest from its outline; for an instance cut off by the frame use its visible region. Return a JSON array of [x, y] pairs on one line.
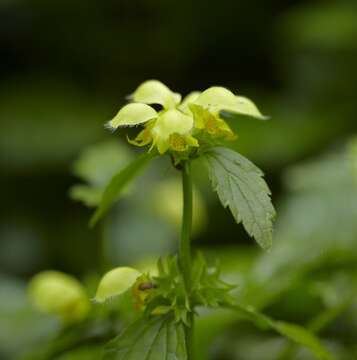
[[155, 92], [170, 122], [245, 106], [133, 114], [116, 282], [216, 96], [218, 99], [188, 99]]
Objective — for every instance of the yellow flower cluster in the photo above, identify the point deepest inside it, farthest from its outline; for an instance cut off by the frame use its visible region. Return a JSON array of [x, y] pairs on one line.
[[179, 125]]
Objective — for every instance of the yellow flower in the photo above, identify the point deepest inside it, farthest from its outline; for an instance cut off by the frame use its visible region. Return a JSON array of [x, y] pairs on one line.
[[167, 129], [179, 125]]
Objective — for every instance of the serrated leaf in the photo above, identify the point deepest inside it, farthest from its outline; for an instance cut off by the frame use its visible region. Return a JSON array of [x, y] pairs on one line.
[[293, 332], [156, 338], [117, 184], [240, 186]]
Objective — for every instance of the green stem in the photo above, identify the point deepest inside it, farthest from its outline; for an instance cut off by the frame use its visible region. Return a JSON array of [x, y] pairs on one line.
[[185, 257]]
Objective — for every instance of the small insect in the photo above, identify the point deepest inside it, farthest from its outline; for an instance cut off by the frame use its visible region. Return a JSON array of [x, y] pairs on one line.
[[147, 286]]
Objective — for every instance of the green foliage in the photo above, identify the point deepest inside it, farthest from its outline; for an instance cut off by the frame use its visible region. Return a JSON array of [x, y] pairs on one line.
[[207, 287], [295, 333], [240, 186], [169, 300], [326, 187], [154, 338], [21, 327], [83, 353], [170, 294], [96, 166], [118, 183]]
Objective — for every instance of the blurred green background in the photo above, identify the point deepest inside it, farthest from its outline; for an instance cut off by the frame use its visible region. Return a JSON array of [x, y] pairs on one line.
[[66, 67]]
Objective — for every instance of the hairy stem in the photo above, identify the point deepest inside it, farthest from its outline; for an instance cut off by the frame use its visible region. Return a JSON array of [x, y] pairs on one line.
[[185, 257]]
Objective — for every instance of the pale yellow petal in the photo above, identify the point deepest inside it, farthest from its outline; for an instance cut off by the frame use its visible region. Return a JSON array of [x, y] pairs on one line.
[[172, 121], [216, 96], [168, 123], [133, 114], [218, 99], [155, 92], [245, 106]]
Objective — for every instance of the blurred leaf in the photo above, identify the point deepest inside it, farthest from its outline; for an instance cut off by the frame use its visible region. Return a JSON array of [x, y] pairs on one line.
[[128, 240], [157, 338], [240, 186], [21, 326], [339, 293], [99, 162], [83, 353], [317, 223], [352, 155], [89, 195], [296, 333], [327, 172], [96, 165], [209, 324], [118, 184]]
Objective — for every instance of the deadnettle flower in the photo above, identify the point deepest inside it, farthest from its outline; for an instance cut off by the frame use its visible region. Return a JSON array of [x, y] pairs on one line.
[[180, 125], [167, 129]]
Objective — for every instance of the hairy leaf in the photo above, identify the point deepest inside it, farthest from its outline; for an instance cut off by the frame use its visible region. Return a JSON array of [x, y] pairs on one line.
[[118, 184], [241, 187], [295, 333], [156, 338]]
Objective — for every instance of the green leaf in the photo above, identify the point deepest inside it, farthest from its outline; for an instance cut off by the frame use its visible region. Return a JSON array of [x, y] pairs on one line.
[[96, 165], [207, 288], [295, 333], [155, 338], [241, 187], [89, 195], [170, 291], [118, 184]]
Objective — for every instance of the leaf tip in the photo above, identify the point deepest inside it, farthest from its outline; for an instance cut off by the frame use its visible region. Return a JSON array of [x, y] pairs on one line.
[[93, 220]]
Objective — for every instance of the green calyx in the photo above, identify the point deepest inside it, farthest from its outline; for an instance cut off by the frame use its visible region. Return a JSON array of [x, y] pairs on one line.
[[166, 292], [180, 125]]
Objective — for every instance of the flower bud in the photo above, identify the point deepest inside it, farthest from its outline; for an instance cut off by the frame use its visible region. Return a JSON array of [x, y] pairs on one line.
[[59, 294], [116, 282]]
